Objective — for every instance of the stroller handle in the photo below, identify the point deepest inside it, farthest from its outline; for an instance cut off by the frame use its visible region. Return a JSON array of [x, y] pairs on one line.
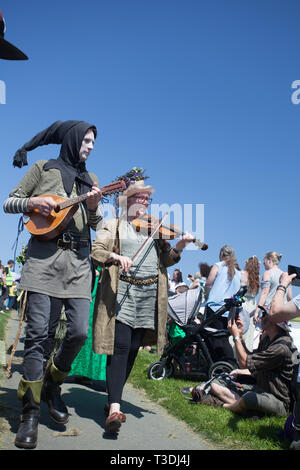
[[235, 301]]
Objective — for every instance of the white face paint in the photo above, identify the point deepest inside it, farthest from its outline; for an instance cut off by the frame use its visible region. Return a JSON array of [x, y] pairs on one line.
[[86, 146]]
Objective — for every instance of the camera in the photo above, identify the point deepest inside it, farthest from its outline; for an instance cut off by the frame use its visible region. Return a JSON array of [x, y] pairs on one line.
[[294, 270]]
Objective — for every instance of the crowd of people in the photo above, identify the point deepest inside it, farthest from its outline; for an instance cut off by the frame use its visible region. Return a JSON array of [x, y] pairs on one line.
[[131, 298], [130, 295], [266, 381], [131, 302]]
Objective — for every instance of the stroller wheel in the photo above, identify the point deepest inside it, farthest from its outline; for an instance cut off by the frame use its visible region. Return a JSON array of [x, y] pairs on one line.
[[219, 368], [158, 371]]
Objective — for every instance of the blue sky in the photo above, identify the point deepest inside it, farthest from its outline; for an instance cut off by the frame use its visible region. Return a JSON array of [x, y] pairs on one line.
[[197, 92]]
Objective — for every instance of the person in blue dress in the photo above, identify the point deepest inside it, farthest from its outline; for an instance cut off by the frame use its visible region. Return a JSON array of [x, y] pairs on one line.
[[224, 281]]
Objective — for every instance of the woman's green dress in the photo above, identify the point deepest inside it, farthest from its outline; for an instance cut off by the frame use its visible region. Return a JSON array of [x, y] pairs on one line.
[[87, 363]]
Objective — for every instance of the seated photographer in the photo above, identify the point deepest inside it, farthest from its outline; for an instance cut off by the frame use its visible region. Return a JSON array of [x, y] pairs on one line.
[[270, 365], [281, 311]]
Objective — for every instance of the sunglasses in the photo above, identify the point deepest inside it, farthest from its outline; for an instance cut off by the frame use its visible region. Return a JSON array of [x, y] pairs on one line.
[[142, 199]]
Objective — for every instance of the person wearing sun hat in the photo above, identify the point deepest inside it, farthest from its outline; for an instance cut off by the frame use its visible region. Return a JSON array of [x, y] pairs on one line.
[[7, 50], [134, 188], [58, 268], [131, 308]]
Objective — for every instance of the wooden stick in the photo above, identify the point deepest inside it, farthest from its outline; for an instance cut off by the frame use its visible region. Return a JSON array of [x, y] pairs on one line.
[[150, 236], [8, 374]]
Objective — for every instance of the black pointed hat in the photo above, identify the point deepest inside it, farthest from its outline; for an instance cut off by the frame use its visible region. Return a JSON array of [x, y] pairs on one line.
[[7, 50], [70, 135]]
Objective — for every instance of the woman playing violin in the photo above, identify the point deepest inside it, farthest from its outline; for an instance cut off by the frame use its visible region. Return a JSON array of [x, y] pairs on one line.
[[131, 302]]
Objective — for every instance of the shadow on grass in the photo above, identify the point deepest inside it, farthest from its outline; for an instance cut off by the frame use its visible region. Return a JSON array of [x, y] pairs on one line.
[[267, 430], [218, 424]]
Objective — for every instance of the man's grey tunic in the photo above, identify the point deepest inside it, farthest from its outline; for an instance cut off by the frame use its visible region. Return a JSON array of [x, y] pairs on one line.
[[50, 270]]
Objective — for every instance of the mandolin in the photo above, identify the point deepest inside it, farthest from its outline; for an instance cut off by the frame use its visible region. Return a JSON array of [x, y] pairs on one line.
[[47, 228]]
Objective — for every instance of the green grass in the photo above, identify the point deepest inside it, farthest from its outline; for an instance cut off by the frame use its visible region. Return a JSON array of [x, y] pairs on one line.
[[3, 324], [223, 428], [4, 317]]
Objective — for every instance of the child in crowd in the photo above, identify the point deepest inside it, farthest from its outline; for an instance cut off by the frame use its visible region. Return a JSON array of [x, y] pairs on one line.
[[12, 296]]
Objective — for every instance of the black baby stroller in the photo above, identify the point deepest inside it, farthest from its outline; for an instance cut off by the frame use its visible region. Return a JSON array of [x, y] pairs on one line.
[[193, 354]]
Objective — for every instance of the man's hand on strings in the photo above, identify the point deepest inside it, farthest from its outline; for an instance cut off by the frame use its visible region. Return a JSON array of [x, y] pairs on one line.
[[94, 196]]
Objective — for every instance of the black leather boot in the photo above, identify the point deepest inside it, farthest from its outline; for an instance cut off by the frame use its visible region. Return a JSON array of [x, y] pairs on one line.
[[51, 394], [27, 434]]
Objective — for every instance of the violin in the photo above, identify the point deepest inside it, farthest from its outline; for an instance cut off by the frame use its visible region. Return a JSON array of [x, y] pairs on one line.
[[148, 223]]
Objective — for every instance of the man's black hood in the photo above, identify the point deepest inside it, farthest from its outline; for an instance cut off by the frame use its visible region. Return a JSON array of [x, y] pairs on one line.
[[70, 135], [68, 161]]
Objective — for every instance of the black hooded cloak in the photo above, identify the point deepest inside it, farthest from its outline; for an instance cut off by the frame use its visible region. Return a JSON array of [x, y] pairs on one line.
[[70, 135]]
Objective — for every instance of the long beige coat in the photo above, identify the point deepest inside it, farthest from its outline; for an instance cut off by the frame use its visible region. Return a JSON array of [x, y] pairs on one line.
[[105, 302]]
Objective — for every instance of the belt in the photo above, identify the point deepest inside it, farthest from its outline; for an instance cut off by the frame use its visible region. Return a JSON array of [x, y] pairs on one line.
[[139, 282], [67, 241]]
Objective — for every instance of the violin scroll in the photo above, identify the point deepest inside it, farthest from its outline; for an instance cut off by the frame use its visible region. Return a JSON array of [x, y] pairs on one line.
[[200, 245]]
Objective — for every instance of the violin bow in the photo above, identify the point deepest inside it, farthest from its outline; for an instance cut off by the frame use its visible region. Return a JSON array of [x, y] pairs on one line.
[[152, 234], [140, 249], [148, 238]]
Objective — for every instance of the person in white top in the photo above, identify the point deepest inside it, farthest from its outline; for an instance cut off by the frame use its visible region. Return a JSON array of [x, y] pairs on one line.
[[270, 280], [177, 279], [223, 281], [269, 283]]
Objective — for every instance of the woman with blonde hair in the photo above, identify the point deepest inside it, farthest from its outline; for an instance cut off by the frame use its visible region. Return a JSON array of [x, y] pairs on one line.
[[269, 284], [131, 301], [270, 280], [224, 280]]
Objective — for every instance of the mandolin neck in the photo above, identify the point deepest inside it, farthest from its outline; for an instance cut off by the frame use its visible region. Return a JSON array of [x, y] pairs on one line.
[[108, 189], [72, 201]]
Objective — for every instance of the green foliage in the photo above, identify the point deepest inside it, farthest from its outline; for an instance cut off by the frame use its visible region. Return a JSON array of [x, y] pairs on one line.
[[21, 258], [135, 174], [3, 323]]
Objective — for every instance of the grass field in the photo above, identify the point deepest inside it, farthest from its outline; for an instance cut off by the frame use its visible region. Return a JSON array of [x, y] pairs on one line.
[[3, 324], [223, 428]]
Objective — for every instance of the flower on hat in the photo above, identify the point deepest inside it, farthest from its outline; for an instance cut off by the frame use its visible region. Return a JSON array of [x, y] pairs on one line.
[[133, 175]]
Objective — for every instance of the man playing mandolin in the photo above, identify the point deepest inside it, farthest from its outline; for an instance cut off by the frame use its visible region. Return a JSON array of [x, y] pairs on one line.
[[58, 267], [131, 307]]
